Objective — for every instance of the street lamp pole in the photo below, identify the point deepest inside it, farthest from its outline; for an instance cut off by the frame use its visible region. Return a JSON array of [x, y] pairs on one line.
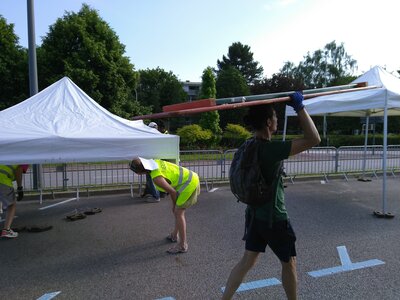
[[33, 79]]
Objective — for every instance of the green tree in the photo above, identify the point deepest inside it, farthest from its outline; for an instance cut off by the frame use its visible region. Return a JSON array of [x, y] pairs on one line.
[[209, 120], [83, 47], [158, 88], [241, 58], [279, 82], [330, 66], [14, 85], [325, 67], [231, 83]]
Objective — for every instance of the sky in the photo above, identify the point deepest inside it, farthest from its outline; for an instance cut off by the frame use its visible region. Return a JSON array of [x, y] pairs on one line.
[[187, 36]]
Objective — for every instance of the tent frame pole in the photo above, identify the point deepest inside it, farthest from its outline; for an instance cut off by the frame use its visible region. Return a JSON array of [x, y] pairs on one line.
[[362, 177]]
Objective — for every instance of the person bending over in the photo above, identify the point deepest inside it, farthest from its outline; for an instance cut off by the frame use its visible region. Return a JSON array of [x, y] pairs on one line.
[[183, 187]]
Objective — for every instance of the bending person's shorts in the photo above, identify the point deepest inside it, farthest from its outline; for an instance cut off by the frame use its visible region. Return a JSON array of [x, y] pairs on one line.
[[280, 238], [192, 200], [7, 196]]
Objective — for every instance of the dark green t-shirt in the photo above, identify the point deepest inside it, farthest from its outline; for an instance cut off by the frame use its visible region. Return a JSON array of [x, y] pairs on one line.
[[271, 153]]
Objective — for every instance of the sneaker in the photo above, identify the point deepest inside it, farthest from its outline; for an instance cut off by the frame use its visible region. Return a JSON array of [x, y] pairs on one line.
[[152, 200], [8, 233]]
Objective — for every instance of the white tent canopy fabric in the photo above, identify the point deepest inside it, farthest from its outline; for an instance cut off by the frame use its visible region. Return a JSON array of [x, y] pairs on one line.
[[359, 103], [63, 124], [382, 101]]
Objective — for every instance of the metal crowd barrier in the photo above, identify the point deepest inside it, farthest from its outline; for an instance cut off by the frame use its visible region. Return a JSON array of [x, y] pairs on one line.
[[213, 166], [208, 164], [367, 159], [318, 160]]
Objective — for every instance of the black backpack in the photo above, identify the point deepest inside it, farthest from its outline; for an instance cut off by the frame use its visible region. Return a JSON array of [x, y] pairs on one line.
[[245, 177]]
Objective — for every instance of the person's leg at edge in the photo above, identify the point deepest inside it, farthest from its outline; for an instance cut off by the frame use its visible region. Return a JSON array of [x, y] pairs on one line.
[[289, 278], [180, 227], [239, 272], [174, 233], [146, 186], [10, 213], [151, 188]]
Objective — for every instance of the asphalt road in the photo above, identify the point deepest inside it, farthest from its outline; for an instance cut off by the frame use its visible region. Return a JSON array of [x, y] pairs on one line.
[[120, 252]]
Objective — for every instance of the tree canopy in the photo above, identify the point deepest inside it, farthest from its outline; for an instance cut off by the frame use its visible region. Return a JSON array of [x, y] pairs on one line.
[[13, 67], [83, 47], [158, 87], [209, 120], [231, 83], [324, 67], [241, 58]]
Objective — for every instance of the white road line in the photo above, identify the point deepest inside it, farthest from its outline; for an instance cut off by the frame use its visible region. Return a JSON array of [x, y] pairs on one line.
[[347, 265], [62, 202], [49, 296], [256, 284]]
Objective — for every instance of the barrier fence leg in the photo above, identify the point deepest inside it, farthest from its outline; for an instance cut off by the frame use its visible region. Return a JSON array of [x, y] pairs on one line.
[[326, 177], [345, 176]]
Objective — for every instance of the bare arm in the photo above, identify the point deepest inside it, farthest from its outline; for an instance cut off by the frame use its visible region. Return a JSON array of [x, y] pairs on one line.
[[162, 183], [311, 136]]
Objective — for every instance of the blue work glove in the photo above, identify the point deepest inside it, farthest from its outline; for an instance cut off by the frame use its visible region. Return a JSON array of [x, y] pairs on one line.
[[296, 101], [20, 193]]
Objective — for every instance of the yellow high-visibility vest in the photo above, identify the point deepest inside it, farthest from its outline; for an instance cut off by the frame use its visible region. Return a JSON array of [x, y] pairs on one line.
[[7, 174], [183, 180]]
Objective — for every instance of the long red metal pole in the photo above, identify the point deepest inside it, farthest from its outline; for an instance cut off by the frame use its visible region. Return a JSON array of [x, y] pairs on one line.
[[192, 111]]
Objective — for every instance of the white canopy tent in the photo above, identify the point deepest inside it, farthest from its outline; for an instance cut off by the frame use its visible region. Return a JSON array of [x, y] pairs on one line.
[[360, 103], [382, 101], [63, 124]]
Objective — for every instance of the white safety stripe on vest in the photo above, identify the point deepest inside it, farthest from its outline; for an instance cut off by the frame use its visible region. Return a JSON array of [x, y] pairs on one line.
[[180, 176], [186, 183]]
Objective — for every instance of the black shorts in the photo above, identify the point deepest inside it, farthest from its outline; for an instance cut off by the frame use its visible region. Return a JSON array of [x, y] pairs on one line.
[[280, 238]]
